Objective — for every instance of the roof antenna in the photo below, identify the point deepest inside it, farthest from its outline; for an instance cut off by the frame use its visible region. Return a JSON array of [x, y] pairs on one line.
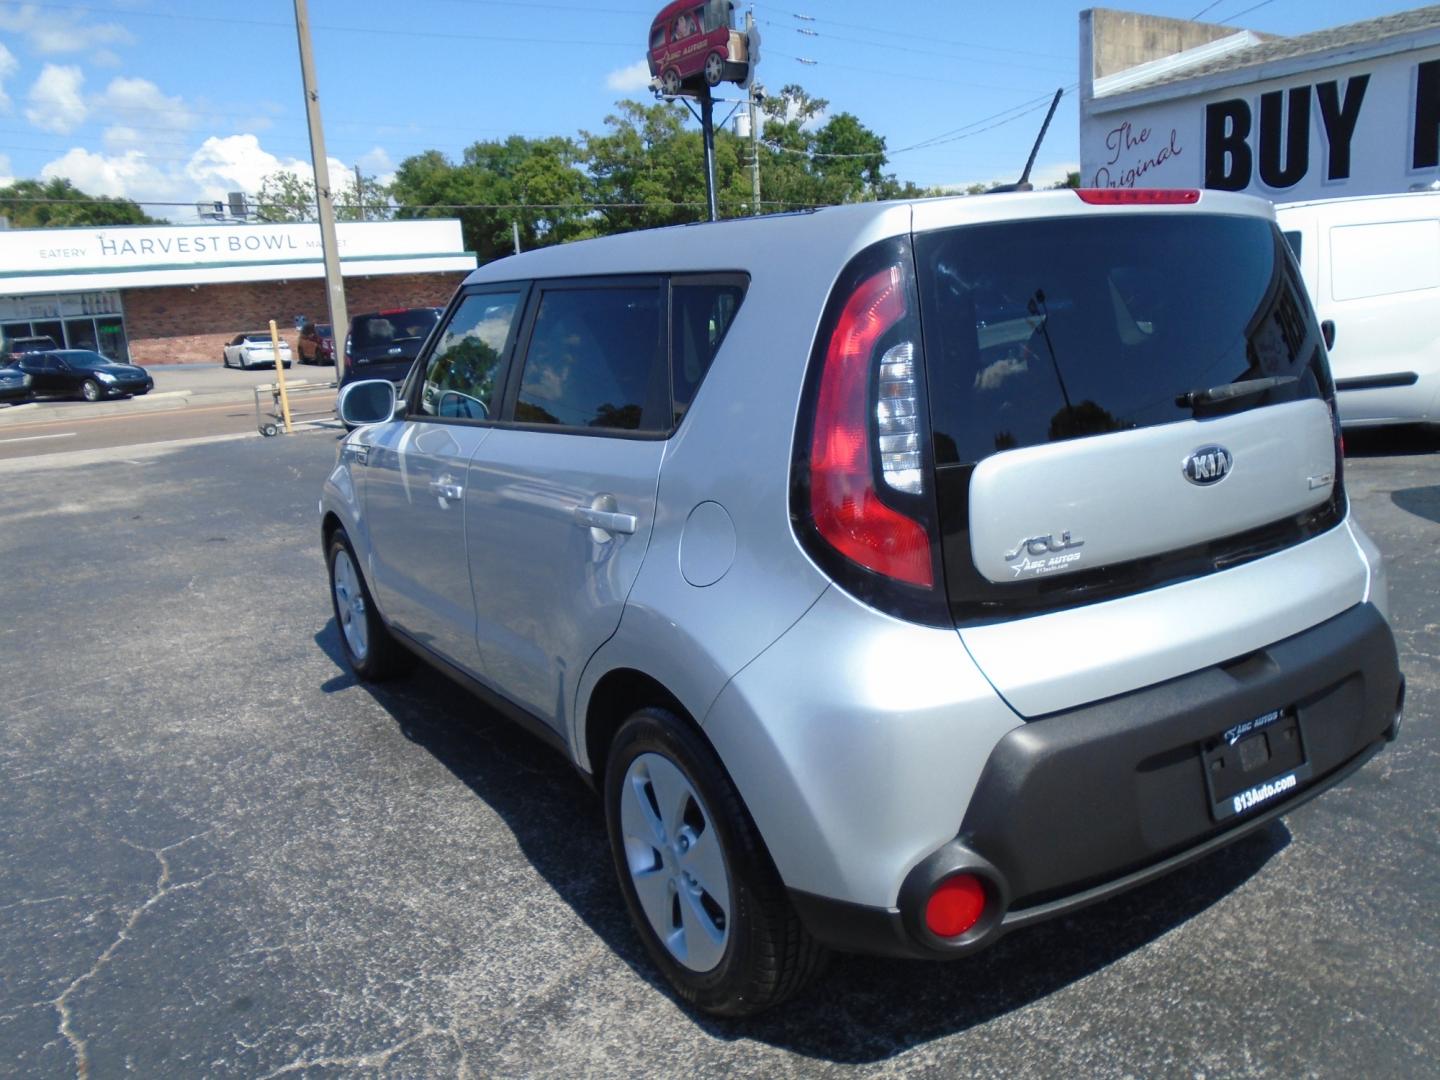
[[1023, 184]]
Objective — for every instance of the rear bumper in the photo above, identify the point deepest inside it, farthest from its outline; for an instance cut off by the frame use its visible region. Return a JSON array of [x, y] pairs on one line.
[[1078, 806]]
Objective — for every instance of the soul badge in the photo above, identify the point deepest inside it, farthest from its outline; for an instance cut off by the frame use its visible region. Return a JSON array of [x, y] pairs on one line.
[[1044, 554]]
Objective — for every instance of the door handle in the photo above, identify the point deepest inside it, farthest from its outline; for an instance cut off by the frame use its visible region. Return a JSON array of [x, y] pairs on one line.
[[444, 487], [602, 519]]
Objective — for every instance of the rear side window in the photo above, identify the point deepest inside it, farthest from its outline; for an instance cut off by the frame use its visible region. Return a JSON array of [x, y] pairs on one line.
[[460, 378], [1388, 257], [595, 361], [700, 316], [1038, 331]]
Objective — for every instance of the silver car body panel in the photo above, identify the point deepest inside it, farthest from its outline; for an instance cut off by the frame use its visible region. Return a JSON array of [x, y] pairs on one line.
[[548, 587], [415, 498], [1068, 658], [1283, 462], [856, 741]]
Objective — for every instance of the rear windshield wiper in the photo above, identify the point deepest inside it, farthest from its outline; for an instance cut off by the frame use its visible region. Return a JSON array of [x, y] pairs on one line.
[[1232, 391]]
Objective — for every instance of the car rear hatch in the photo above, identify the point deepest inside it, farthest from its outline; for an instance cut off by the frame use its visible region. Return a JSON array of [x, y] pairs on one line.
[[384, 345], [1124, 398]]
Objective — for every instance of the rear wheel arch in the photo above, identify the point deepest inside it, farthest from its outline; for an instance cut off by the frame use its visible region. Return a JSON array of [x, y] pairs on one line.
[[617, 696]]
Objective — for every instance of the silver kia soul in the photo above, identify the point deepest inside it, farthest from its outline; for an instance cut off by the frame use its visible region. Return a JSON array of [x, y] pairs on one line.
[[902, 574]]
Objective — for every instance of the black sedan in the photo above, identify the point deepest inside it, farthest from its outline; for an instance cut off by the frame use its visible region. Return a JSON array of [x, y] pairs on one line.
[[14, 385], [83, 372]]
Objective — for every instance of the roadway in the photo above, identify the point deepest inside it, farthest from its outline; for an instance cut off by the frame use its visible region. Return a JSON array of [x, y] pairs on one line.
[[220, 402], [222, 856]]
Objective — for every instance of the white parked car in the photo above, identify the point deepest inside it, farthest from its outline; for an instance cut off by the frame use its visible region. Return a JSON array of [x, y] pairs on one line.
[[1372, 267], [255, 350]]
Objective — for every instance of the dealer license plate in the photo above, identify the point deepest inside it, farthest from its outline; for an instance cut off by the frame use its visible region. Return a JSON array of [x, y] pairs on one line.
[[1254, 763]]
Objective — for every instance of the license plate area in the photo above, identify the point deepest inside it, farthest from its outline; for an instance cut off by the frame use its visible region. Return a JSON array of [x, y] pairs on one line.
[[1254, 763]]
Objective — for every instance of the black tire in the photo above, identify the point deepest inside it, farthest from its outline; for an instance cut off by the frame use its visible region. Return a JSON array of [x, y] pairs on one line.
[[714, 70], [670, 82], [383, 655], [768, 956], [90, 390]]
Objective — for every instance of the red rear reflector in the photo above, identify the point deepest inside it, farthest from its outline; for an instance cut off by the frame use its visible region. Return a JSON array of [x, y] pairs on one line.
[[1138, 196], [955, 906], [393, 311], [846, 508]]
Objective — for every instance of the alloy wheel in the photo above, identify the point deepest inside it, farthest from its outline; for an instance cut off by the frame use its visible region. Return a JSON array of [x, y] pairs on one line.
[[350, 604], [676, 861]]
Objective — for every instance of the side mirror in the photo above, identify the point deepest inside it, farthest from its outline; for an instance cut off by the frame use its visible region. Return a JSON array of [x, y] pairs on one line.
[[1327, 331], [368, 402]]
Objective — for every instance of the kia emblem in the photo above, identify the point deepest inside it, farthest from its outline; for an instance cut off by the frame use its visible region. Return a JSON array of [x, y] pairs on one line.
[[1207, 465]]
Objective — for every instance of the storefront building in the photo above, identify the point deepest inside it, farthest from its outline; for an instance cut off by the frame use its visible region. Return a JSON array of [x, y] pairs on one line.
[[1353, 110], [177, 293]]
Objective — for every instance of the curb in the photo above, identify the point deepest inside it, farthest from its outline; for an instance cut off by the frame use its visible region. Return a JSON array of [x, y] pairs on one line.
[[36, 411]]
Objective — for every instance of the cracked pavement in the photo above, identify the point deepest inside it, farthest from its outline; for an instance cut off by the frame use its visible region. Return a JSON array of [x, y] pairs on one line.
[[223, 857]]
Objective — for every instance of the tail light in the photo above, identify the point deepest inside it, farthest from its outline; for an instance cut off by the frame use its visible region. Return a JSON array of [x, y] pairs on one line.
[[862, 495]]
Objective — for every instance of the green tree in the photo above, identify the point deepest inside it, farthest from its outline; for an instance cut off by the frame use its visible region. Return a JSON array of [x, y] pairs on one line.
[[57, 203], [286, 196], [648, 169], [535, 183], [1072, 180]]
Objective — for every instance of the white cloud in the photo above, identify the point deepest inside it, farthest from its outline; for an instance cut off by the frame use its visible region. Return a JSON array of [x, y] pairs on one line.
[[56, 101], [119, 137], [8, 66], [627, 80], [5, 178], [377, 164], [52, 33], [240, 163], [140, 101], [131, 174], [220, 165]]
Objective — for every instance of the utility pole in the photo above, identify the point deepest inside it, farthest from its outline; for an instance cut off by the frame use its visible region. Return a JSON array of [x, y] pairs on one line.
[[359, 195], [515, 235], [754, 125], [324, 197]]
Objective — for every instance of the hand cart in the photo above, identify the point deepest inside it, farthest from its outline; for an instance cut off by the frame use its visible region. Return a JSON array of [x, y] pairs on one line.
[[309, 402]]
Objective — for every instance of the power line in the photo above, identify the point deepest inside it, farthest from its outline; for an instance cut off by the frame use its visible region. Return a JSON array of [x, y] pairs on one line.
[[824, 20], [1246, 11], [826, 36], [954, 135], [386, 31]]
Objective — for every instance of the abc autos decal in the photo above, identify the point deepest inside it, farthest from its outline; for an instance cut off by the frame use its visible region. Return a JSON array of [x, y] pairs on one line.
[[1356, 129]]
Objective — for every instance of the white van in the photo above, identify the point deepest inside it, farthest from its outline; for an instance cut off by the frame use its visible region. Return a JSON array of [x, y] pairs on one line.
[[1372, 265]]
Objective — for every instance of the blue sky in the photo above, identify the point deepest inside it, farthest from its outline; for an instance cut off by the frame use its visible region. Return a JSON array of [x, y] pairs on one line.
[[174, 100]]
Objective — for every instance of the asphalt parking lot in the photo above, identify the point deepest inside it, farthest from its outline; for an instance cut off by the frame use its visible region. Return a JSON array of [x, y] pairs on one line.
[[222, 856]]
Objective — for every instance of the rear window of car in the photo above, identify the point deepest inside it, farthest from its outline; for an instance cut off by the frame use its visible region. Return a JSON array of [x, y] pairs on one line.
[[390, 327], [1037, 331]]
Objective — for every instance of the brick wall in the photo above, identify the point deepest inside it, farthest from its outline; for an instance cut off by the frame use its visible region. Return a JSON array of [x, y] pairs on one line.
[[179, 325]]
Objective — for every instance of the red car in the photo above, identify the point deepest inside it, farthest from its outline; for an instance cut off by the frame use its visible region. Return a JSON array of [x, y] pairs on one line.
[[696, 40]]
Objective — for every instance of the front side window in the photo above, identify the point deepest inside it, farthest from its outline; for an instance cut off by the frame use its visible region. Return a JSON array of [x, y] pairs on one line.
[[594, 360], [460, 378]]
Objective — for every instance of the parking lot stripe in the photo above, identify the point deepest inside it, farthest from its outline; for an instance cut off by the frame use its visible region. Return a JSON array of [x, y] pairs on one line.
[[32, 438]]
